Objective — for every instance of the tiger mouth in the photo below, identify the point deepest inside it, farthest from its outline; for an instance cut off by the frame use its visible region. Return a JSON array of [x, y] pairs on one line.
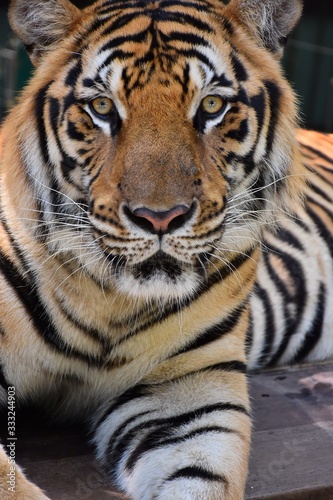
[[160, 264]]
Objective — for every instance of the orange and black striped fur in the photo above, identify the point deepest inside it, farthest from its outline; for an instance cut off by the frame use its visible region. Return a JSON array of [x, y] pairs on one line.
[[294, 286], [154, 241]]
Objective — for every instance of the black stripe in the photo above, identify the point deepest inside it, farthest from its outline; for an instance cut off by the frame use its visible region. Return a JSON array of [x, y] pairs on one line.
[[274, 93], [73, 132], [17, 250], [258, 103], [239, 68], [39, 114], [183, 19], [242, 97], [296, 271], [40, 231], [228, 366], [67, 166], [120, 40], [67, 101], [3, 381], [110, 6], [316, 172], [320, 192], [89, 83], [116, 54], [87, 330], [221, 80], [318, 152], [249, 334], [95, 176], [162, 437], [199, 6], [269, 323], [190, 38], [284, 234], [54, 112], [121, 21], [74, 73], [260, 184], [195, 472], [193, 53], [138, 391], [215, 332], [301, 223], [240, 133], [185, 81], [277, 280], [322, 228], [315, 331]]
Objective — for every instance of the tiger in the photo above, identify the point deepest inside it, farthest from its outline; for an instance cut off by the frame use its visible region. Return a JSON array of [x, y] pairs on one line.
[[164, 230]]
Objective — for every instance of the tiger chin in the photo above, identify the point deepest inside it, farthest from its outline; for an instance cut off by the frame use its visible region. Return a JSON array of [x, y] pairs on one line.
[[155, 222]]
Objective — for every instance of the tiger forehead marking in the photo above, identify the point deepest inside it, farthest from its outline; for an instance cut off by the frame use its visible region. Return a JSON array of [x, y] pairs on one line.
[[155, 42]]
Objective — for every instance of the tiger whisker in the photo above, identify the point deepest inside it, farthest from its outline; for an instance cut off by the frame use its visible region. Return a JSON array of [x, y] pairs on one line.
[[57, 192]]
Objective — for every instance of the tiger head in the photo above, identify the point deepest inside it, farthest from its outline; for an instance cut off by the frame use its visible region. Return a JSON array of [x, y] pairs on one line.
[[157, 135]]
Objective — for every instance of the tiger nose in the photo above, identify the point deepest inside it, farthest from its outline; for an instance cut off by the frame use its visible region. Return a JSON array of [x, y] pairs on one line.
[[160, 222]]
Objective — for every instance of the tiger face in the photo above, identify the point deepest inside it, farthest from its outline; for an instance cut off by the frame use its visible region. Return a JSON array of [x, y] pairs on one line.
[[162, 143]]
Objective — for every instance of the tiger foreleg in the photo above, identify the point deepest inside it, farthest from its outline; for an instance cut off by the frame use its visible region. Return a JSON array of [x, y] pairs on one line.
[[186, 439]]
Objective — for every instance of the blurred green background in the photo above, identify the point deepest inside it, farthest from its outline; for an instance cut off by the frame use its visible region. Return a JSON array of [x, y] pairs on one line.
[[308, 63]]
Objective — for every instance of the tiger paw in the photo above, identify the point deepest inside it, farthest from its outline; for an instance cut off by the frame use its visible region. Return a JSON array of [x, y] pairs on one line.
[[13, 483]]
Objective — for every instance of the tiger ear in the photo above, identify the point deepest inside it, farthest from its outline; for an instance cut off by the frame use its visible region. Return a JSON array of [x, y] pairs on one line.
[[270, 21], [40, 24]]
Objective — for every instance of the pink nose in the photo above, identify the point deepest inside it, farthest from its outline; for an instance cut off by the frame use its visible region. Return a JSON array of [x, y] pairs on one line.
[[160, 222]]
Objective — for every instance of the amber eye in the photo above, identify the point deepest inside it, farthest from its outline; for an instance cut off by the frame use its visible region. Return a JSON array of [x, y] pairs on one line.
[[102, 105], [212, 104]]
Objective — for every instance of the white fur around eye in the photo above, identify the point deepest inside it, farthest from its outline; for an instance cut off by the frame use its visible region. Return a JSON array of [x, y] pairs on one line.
[[210, 123], [99, 122]]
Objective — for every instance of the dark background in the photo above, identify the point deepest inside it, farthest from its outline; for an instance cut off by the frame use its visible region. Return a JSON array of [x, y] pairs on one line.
[[308, 63]]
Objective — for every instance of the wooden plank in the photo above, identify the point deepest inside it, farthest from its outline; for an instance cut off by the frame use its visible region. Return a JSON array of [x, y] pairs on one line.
[[292, 452]]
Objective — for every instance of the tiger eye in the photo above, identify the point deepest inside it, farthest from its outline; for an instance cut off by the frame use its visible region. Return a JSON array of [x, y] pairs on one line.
[[102, 105], [212, 104]]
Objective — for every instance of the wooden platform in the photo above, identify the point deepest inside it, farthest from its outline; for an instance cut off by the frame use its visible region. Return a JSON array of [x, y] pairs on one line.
[[292, 457]]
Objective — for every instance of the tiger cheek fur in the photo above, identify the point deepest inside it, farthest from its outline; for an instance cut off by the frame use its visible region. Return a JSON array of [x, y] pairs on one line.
[[141, 171]]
